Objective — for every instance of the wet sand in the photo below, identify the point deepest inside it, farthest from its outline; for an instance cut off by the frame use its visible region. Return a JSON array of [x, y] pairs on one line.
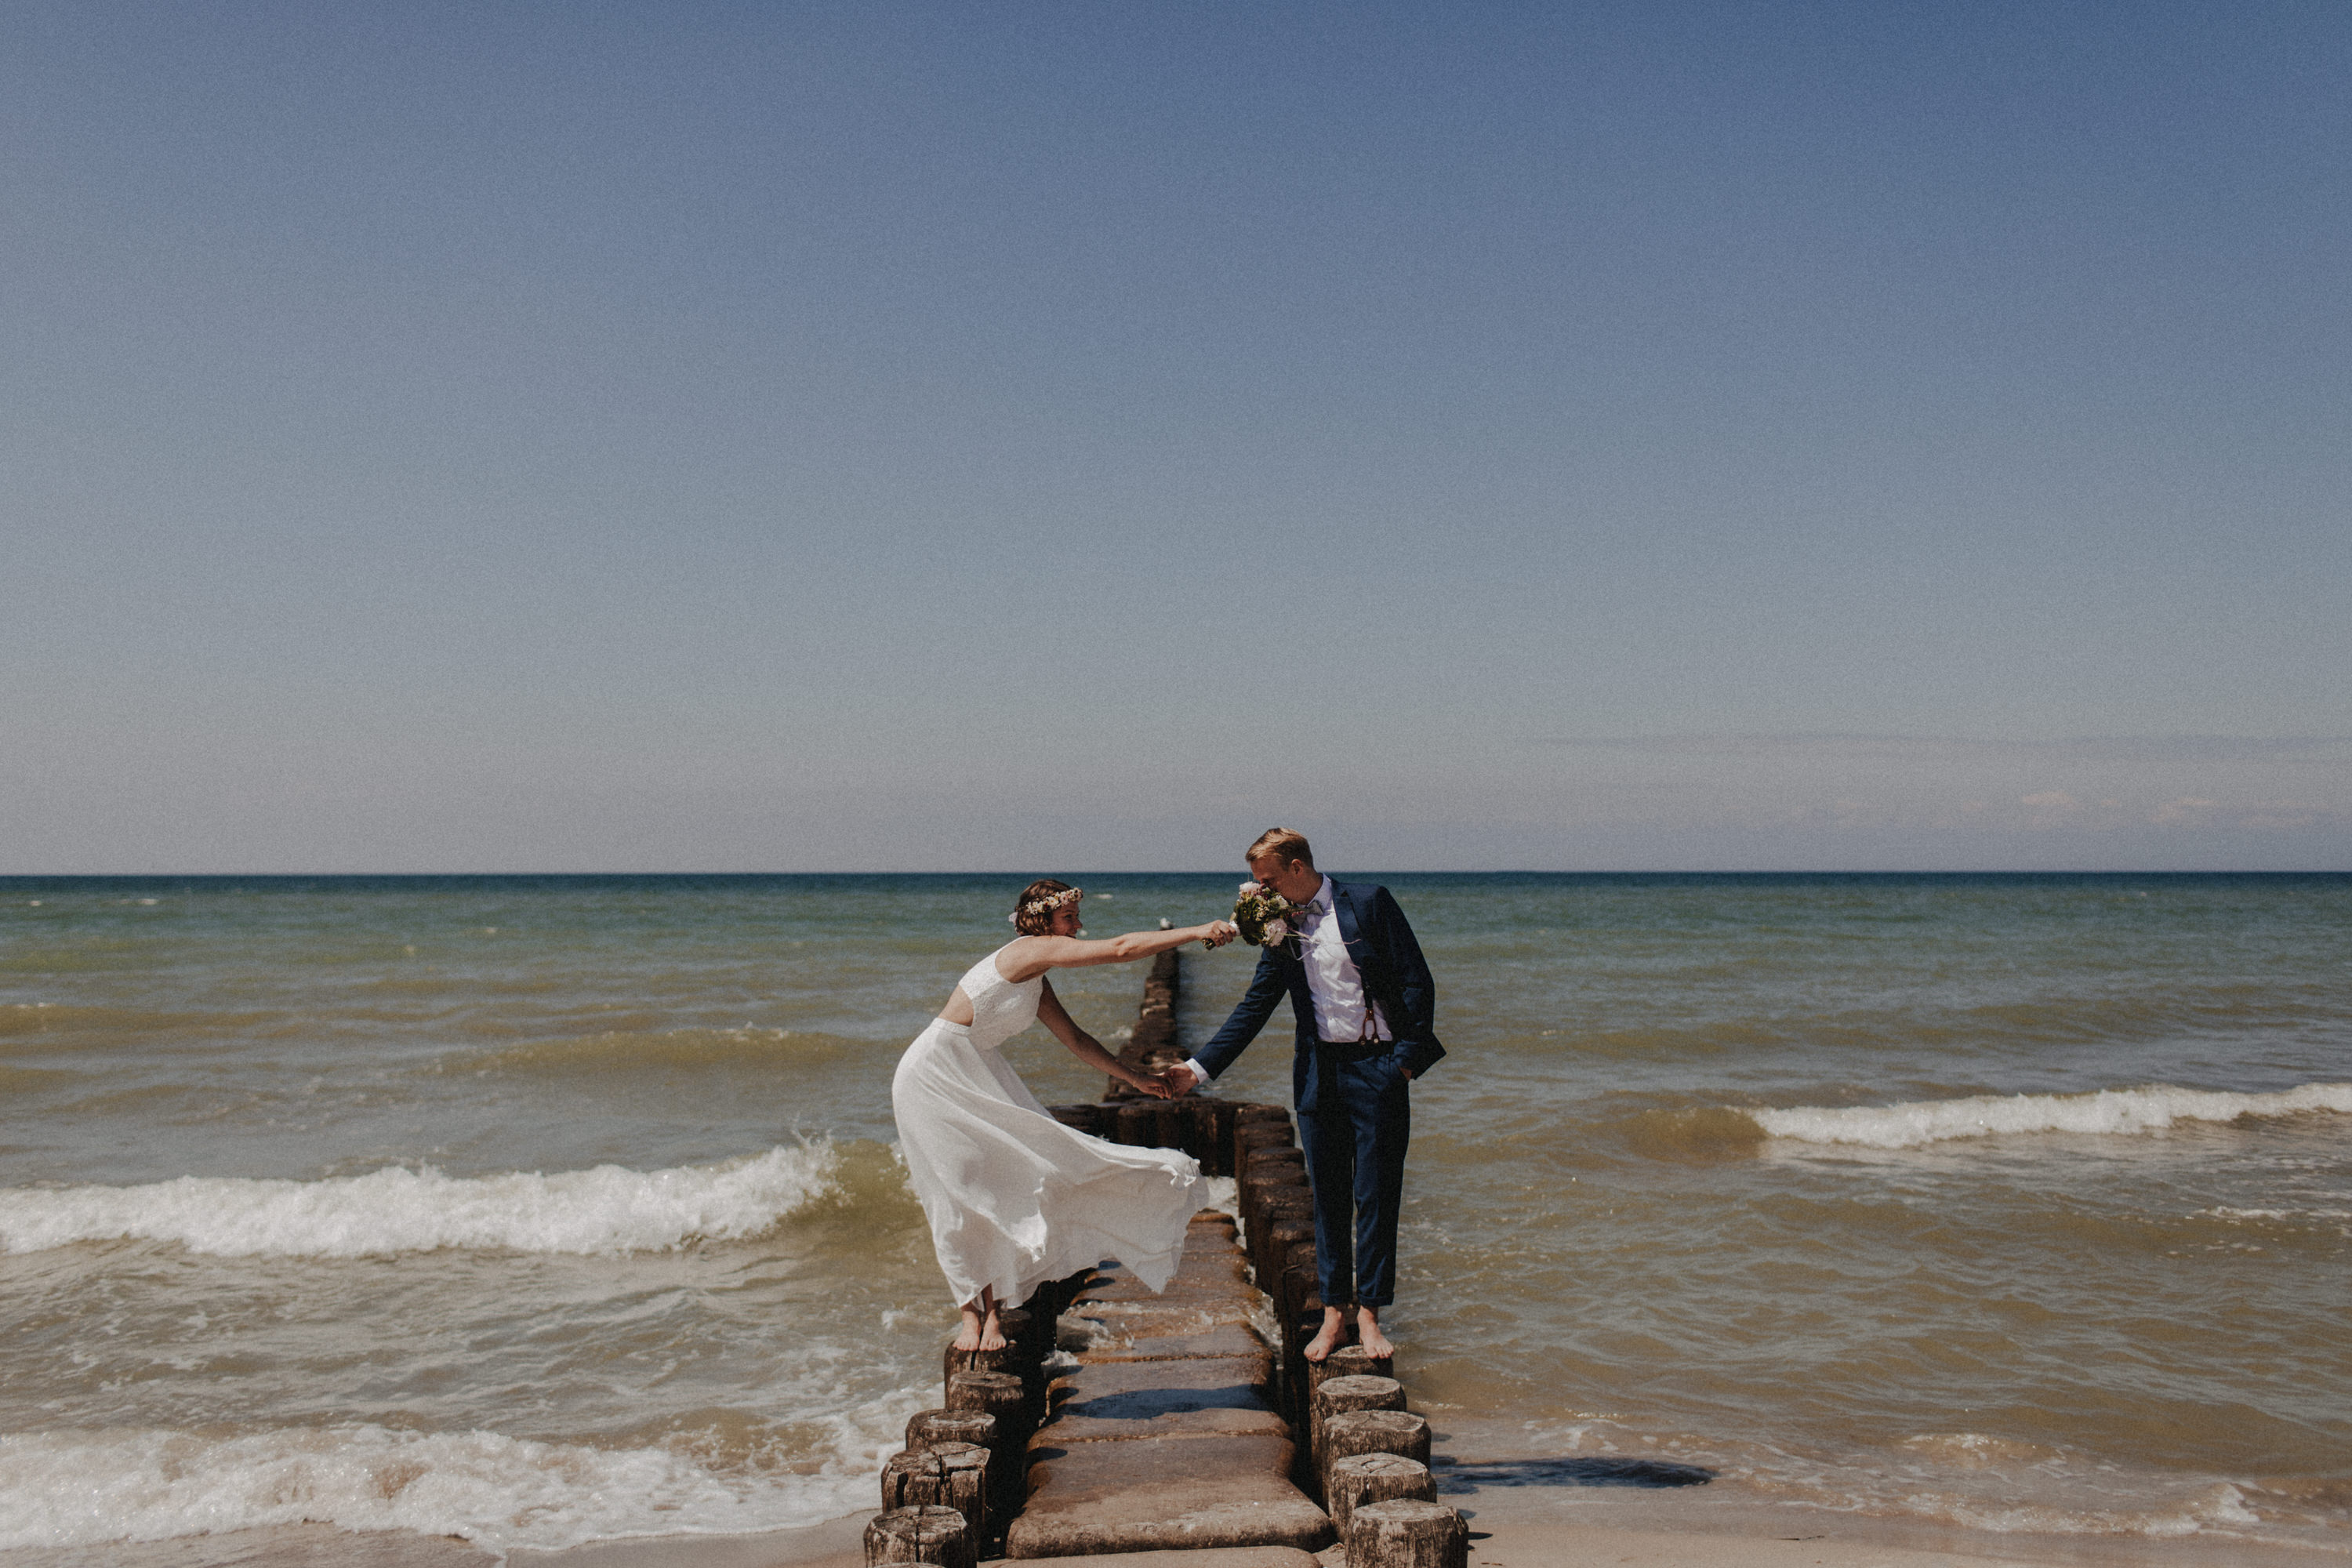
[[1557, 1527], [1513, 1524]]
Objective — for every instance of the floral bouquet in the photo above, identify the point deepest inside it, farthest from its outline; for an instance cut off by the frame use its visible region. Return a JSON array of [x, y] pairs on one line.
[[1263, 915]]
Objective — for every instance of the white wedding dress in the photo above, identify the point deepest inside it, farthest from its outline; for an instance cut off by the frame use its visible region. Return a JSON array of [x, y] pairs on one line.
[[1014, 1197]]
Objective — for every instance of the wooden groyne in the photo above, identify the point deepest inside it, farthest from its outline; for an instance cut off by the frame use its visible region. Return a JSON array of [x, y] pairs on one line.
[[1184, 1429]]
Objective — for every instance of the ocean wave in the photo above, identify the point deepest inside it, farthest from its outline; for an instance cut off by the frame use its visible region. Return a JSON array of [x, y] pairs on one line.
[[2149, 1109], [71, 1488], [607, 1209], [1693, 1133], [53, 1025]]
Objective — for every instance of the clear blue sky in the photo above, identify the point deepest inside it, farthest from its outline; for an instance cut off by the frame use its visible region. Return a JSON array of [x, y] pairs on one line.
[[1020, 437]]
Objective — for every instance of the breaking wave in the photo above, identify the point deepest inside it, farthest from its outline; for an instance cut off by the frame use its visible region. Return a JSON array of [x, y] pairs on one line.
[[68, 1488], [607, 1209], [2150, 1109]]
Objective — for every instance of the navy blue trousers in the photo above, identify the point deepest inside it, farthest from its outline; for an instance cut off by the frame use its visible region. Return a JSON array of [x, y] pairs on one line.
[[1354, 1125]]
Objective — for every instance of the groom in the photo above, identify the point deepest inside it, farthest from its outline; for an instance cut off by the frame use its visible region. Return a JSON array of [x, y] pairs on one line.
[[1366, 1010]]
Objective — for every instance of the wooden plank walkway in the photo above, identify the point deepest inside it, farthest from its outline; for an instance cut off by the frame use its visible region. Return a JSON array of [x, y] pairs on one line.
[[1164, 1436]]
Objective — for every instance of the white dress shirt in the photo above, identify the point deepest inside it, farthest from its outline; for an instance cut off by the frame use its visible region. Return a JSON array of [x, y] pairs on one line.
[[1332, 982]]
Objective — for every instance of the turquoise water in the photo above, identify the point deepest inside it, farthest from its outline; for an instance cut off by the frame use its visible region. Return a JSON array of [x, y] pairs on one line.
[[541, 1209]]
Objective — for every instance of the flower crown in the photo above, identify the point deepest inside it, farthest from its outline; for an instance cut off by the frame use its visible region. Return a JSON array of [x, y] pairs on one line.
[[1040, 905]]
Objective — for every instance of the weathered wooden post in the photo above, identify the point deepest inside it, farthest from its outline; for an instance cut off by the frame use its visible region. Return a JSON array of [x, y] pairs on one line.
[[1138, 1123], [1284, 1235], [1211, 1141], [997, 1394], [1097, 1120], [1407, 1533], [1270, 1173], [1018, 1353], [1270, 1157], [936, 1535], [1022, 1357], [1285, 1184], [1046, 1304], [929, 1428], [1301, 1315], [1258, 1132], [1255, 1194], [1268, 1194], [1255, 1111], [1052, 1299], [1004, 1396], [1292, 1198], [1300, 1278], [945, 1475], [1266, 1170], [1032, 1326], [1185, 1118], [1362, 1479], [1356, 1431], [1340, 1396], [1275, 1208], [1019, 1326], [1349, 1361]]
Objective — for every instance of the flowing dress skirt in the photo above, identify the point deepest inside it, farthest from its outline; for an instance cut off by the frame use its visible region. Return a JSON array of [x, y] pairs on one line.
[[1014, 1197]]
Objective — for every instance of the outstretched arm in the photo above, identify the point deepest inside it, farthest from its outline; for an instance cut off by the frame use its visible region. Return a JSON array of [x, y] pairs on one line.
[[1029, 956], [1267, 988], [1089, 1050]]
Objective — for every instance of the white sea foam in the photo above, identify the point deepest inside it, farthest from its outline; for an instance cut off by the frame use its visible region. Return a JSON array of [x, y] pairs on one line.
[[2150, 1109], [68, 1488], [1223, 1194], [607, 1209]]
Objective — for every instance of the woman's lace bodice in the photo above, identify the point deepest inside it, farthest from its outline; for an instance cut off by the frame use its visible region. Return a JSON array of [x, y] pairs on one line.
[[1000, 1009]]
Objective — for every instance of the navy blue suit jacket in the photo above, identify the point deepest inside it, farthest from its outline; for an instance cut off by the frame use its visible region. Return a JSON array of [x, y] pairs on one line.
[[1395, 975]]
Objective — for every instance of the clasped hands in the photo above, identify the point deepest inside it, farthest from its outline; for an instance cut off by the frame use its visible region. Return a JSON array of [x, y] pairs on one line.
[[1167, 1083]]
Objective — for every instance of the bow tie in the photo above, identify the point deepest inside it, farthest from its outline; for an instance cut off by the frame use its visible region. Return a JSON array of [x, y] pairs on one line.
[[1317, 906]]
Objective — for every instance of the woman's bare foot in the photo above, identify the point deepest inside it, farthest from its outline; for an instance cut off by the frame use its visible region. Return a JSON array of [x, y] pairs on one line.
[[1333, 1330], [980, 1330], [1367, 1334]]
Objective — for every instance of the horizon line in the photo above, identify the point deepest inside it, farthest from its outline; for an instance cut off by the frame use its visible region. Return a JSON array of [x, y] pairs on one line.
[[1220, 872]]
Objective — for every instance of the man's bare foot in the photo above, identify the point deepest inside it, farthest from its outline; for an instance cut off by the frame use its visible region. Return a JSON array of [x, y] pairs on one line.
[[969, 1335], [992, 1337], [1335, 1329], [1367, 1334]]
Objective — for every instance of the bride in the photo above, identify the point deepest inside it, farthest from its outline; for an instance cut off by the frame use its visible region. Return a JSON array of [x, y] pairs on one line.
[[1014, 1197]]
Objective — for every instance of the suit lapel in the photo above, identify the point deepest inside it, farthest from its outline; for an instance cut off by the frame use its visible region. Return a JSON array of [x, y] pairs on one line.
[[1343, 904]]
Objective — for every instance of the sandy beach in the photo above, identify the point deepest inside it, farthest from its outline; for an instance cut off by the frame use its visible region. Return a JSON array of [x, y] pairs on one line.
[[1520, 1526]]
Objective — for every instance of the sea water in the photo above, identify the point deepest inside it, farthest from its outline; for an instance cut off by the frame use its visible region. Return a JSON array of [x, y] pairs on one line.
[[539, 1210]]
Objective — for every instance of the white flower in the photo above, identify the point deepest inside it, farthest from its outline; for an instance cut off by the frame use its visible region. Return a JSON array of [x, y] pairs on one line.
[[1251, 890], [1276, 929]]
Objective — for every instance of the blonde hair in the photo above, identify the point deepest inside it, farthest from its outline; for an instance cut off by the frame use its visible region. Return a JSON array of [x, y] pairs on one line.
[[1033, 911], [1283, 844]]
